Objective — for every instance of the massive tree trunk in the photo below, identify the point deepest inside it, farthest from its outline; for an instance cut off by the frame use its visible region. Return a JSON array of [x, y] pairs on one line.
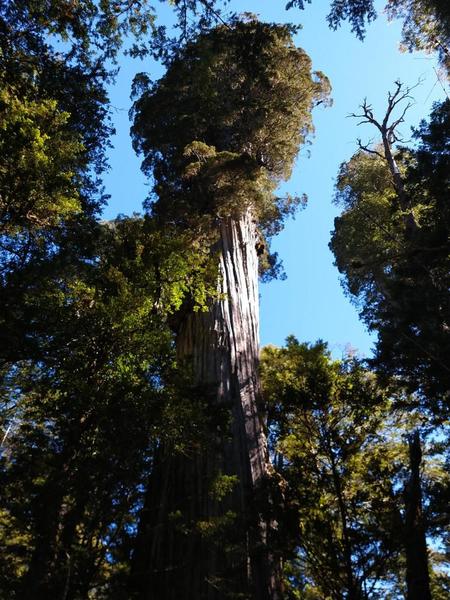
[[175, 556]]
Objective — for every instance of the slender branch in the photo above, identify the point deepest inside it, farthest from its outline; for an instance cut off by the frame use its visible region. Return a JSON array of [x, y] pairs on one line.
[[389, 136], [401, 119], [368, 149], [217, 15]]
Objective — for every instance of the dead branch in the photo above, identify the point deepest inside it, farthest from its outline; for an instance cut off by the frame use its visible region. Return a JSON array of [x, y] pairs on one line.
[[389, 136]]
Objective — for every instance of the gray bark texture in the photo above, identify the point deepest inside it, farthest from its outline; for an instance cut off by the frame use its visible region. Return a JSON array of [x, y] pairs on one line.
[[172, 558]]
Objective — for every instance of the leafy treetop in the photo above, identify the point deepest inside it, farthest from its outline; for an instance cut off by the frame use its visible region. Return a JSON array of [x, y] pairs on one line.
[[224, 124]]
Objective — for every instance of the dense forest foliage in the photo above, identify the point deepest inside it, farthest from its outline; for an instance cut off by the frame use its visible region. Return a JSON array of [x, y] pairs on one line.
[[148, 450]]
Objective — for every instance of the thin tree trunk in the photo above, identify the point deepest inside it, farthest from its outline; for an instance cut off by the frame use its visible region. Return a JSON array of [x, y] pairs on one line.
[[404, 203], [43, 578], [175, 560], [417, 574], [352, 587]]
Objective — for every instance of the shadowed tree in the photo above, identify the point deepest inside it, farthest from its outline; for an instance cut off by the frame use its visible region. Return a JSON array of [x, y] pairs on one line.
[[218, 132], [66, 322], [83, 420], [391, 243], [417, 569], [394, 255]]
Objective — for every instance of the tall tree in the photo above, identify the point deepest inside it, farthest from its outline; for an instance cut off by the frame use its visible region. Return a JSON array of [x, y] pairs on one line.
[[391, 243], [72, 304], [218, 131], [398, 274]]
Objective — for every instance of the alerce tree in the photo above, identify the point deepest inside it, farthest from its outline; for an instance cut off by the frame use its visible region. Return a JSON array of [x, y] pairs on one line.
[[218, 132]]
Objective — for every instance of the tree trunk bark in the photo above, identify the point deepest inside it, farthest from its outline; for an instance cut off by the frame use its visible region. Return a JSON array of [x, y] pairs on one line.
[[404, 203], [417, 574], [173, 558]]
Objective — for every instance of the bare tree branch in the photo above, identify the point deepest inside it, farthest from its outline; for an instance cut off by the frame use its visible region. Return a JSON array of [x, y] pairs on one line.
[[367, 148], [389, 136]]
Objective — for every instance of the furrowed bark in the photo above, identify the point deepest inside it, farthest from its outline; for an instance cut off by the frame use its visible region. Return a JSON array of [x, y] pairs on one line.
[[222, 346]]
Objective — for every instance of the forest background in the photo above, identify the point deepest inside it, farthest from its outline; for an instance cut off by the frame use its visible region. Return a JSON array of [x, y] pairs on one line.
[[148, 449]]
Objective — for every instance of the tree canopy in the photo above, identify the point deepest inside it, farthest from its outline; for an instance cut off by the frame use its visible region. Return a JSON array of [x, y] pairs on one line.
[[92, 390], [225, 123], [399, 278], [340, 441]]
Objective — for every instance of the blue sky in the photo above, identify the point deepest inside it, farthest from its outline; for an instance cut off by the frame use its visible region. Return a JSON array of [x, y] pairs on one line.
[[310, 304]]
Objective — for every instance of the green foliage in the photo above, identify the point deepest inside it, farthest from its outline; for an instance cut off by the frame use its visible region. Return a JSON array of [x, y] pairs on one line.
[[426, 26], [340, 456], [217, 526], [400, 281], [367, 233], [90, 384], [95, 32], [40, 157], [53, 136], [84, 418], [340, 447], [223, 485], [357, 12]]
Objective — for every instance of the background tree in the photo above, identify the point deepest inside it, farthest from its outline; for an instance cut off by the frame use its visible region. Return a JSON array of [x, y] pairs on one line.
[[392, 245], [56, 60], [84, 420], [73, 316], [218, 132], [399, 277], [340, 455], [342, 449]]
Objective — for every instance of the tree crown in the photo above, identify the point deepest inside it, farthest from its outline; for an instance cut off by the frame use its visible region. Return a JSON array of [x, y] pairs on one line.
[[225, 123]]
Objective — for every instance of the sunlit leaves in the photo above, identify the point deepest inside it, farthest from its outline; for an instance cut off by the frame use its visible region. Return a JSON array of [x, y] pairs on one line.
[[400, 281], [336, 444], [40, 156]]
